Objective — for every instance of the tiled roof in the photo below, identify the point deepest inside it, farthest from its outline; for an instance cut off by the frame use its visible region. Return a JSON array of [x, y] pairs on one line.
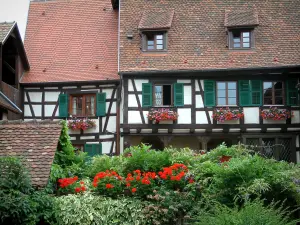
[[34, 141], [241, 18], [197, 39], [5, 29], [157, 19], [74, 40], [8, 104]]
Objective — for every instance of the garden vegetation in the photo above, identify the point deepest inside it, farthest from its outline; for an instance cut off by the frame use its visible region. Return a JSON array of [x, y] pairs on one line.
[[227, 186]]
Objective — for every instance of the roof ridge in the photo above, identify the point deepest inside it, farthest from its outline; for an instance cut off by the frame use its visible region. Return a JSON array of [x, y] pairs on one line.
[[29, 122]]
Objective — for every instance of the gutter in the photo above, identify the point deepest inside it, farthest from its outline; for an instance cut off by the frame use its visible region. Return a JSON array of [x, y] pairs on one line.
[[10, 102]]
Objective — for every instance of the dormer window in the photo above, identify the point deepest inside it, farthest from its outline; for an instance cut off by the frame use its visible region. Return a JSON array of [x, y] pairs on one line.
[[240, 39], [154, 41]]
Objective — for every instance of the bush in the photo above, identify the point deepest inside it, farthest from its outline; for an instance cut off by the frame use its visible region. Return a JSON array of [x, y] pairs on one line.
[[88, 209], [252, 213], [14, 176], [144, 159], [185, 156]]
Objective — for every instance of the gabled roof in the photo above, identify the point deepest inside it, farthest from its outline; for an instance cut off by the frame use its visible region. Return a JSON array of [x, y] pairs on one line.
[[11, 28], [74, 40], [6, 103], [155, 20], [36, 142], [238, 18]]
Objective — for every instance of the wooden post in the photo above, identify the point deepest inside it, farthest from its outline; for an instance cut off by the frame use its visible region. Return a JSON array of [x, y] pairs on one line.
[[1, 66], [118, 136]]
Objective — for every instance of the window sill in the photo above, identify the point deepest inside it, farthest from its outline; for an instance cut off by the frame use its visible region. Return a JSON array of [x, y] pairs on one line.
[[155, 53]]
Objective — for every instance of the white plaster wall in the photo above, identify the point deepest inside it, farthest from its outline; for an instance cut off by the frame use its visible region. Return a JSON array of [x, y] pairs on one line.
[[27, 111], [210, 113], [51, 96], [106, 146], [89, 86], [145, 113], [197, 88], [132, 102], [69, 87], [35, 96], [184, 81], [184, 116], [139, 84], [251, 115], [201, 118], [114, 107], [121, 145], [49, 110], [202, 84], [187, 95], [296, 117], [50, 88], [87, 137], [111, 125], [298, 157], [94, 129], [199, 101], [108, 92], [134, 117], [274, 121], [37, 109]]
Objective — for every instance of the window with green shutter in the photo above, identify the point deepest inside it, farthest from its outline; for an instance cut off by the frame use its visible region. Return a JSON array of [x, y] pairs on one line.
[[146, 94], [93, 149], [178, 94], [291, 92], [250, 92], [63, 105], [101, 104], [209, 93]]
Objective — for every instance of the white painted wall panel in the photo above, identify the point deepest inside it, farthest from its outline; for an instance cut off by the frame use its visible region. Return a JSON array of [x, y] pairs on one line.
[[121, 145], [37, 109], [201, 118], [108, 93], [49, 110], [298, 157], [134, 117], [50, 88], [197, 86], [202, 84], [114, 108], [210, 113], [199, 101], [69, 87], [87, 137], [184, 81], [274, 121], [35, 96], [132, 102], [111, 125], [184, 116], [251, 115], [296, 117], [130, 86], [187, 95], [106, 146], [145, 113], [51, 96], [138, 83], [297, 141]]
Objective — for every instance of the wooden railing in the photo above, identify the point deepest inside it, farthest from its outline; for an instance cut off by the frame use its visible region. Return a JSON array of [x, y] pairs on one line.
[[12, 93]]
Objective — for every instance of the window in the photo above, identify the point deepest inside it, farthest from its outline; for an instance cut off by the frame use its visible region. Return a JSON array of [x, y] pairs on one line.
[[240, 39], [83, 105], [154, 41], [162, 95], [273, 93], [226, 93]]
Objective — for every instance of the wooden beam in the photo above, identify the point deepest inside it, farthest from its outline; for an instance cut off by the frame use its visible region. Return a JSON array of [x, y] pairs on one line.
[[1, 66], [9, 67]]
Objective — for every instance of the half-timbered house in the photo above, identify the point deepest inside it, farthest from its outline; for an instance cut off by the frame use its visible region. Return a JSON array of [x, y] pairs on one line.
[[73, 52], [193, 58], [13, 62]]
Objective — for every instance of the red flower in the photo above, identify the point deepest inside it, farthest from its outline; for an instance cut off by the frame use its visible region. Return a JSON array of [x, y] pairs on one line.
[[191, 181], [77, 190], [133, 190], [81, 182], [225, 158], [128, 184], [109, 186], [83, 188]]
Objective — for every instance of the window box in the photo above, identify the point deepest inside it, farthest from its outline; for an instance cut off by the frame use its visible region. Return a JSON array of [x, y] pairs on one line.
[[162, 114], [276, 114], [222, 115], [81, 124]]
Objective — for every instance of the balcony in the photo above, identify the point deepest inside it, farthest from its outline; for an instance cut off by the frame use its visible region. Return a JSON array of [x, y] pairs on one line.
[[12, 93]]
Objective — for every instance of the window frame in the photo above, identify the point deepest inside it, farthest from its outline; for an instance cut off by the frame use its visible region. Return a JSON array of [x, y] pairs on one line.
[[153, 93], [84, 95], [241, 31], [283, 92], [226, 92], [154, 33]]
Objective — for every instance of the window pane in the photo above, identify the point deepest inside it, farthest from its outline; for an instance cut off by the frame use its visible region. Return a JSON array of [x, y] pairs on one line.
[[246, 45], [150, 43], [221, 85], [246, 40], [150, 47], [158, 96], [74, 105], [267, 85], [221, 101], [221, 93], [237, 40], [159, 42], [278, 93], [159, 37], [167, 95], [246, 34], [232, 93], [268, 101], [236, 45], [231, 101], [159, 47], [231, 85], [92, 105], [278, 85], [278, 101]]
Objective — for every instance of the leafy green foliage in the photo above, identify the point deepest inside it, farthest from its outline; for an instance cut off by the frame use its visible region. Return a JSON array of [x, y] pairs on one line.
[[252, 213], [14, 176], [182, 155], [144, 159]]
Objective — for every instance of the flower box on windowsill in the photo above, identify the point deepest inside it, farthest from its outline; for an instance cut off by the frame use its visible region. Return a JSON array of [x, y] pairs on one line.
[[227, 116], [275, 115], [81, 123], [162, 116]]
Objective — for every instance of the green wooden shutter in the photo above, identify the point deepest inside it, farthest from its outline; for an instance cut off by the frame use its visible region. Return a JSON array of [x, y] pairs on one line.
[[147, 94], [178, 94], [63, 105], [209, 93], [101, 104], [244, 92], [97, 149], [89, 149], [291, 92], [256, 93]]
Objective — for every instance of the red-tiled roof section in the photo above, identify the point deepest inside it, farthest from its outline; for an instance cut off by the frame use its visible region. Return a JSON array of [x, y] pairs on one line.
[[236, 18], [152, 20], [197, 39], [34, 141], [5, 29], [74, 40]]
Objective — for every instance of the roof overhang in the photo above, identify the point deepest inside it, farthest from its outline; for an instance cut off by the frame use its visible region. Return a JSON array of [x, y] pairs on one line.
[[6, 103]]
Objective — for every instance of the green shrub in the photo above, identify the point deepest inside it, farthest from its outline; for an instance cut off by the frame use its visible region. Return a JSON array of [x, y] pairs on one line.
[[252, 213], [88, 209], [144, 159], [185, 156], [13, 175]]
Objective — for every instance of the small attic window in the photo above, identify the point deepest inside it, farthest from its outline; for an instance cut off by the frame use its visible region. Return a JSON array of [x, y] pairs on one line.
[[154, 41], [241, 39]]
